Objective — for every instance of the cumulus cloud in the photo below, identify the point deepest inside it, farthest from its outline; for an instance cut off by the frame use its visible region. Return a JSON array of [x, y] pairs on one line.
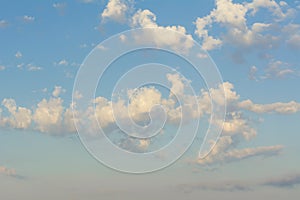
[[53, 116], [161, 35], [20, 117], [237, 30], [115, 10], [118, 10], [49, 116]]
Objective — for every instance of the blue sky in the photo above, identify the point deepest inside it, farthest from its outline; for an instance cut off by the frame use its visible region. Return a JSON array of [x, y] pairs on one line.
[[253, 43]]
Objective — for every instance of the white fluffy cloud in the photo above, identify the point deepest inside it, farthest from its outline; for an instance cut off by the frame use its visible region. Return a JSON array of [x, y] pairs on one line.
[[53, 117], [48, 115], [238, 31], [115, 10], [51, 114], [20, 117], [118, 10], [161, 35]]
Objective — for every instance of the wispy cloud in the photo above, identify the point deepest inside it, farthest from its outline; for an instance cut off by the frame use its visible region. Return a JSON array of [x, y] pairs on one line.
[[10, 172], [60, 7], [286, 181], [18, 54], [2, 67], [3, 23], [62, 62], [275, 69], [32, 67], [87, 1], [227, 186]]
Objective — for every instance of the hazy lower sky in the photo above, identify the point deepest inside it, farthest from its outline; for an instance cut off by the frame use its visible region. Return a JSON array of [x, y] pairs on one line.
[[253, 44]]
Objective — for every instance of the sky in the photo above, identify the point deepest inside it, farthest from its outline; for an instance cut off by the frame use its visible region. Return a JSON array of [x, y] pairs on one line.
[[129, 99]]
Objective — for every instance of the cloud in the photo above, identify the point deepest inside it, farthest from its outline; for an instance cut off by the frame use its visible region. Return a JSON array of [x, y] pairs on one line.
[[223, 152], [278, 107], [53, 116], [160, 35], [294, 41], [286, 181], [3, 23], [6, 171], [115, 10], [225, 186], [57, 91], [123, 38], [252, 73], [18, 54], [273, 6], [82, 46], [120, 11], [283, 181], [32, 67], [2, 67], [20, 117], [275, 69], [63, 62], [292, 32], [278, 69], [237, 31], [10, 172], [48, 115], [28, 19], [60, 7], [87, 1]]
